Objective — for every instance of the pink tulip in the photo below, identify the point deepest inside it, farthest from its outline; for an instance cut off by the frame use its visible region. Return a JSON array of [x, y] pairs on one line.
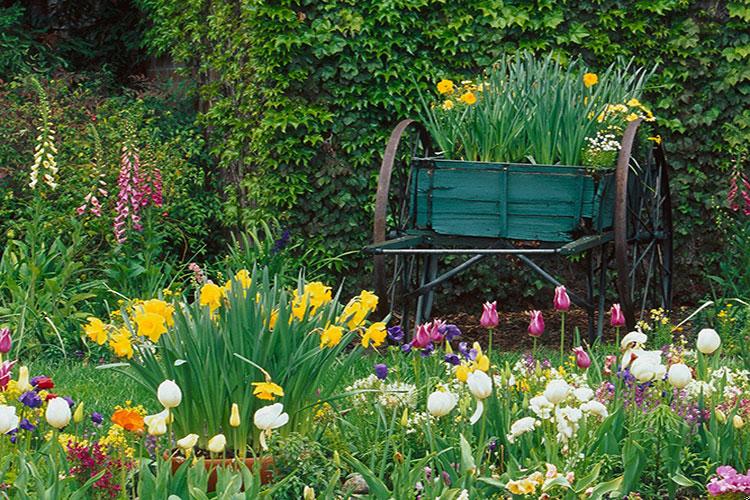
[[5, 368], [536, 325], [422, 337], [434, 328], [582, 358], [609, 361], [5, 340], [489, 315], [616, 317], [561, 301]]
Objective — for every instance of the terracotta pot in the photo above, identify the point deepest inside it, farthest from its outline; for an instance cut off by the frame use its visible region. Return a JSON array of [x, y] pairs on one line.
[[266, 467]]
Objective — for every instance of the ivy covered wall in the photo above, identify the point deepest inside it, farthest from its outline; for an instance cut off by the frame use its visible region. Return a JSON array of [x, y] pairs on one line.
[[299, 96]]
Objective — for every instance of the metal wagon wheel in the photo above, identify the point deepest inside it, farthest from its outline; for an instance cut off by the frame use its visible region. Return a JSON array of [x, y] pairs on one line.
[[397, 276], [642, 230]]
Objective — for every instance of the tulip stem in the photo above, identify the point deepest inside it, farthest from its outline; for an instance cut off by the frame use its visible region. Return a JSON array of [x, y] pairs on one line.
[[489, 346], [617, 337], [562, 338]]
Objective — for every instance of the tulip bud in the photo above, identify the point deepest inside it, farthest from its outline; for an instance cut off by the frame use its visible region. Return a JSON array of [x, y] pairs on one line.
[[441, 403], [188, 442], [480, 384], [616, 317], [561, 300], [217, 443], [336, 458], [536, 324], [405, 417], [489, 317], [398, 457], [234, 419], [679, 375], [708, 341], [582, 358], [737, 422], [78, 415], [308, 493], [169, 394], [58, 413], [23, 380], [721, 417], [5, 341]]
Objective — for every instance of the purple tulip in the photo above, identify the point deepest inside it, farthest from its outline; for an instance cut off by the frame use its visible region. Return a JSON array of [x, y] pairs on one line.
[[381, 371], [489, 315], [582, 358], [616, 317], [536, 324], [5, 341], [561, 301], [69, 400]]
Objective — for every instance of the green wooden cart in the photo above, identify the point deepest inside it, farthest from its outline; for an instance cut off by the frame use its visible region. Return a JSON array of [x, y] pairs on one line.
[[428, 207]]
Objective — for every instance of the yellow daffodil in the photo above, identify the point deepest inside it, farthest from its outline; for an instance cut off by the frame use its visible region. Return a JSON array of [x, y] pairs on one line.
[[96, 330], [150, 325], [331, 336], [447, 105], [469, 98], [314, 295], [374, 335], [631, 117], [161, 308], [445, 86], [267, 390], [481, 362], [368, 300], [121, 345], [243, 277], [590, 79], [633, 102], [211, 295]]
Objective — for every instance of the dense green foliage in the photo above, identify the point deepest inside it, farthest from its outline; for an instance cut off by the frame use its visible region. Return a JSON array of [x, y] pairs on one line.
[[303, 94]]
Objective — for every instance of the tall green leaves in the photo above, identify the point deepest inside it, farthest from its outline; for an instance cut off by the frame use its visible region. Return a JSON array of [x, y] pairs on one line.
[[529, 109]]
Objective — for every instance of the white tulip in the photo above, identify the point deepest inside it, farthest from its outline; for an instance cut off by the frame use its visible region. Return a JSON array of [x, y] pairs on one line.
[[58, 413], [480, 384], [157, 424], [522, 426], [188, 442], [583, 394], [632, 340], [217, 443], [708, 341], [169, 394], [270, 417], [595, 408], [647, 366], [8, 419], [679, 375], [557, 391], [440, 403]]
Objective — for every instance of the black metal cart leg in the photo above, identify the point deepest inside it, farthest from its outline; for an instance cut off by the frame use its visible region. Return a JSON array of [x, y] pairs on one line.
[[602, 290]]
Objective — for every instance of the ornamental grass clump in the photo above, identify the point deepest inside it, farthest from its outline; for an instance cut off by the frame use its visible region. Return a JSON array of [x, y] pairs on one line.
[[537, 110], [241, 347]]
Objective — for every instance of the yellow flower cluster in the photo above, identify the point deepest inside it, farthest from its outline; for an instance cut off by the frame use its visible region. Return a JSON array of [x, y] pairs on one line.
[[151, 317], [467, 92], [314, 295], [116, 442], [481, 363], [632, 110], [527, 485]]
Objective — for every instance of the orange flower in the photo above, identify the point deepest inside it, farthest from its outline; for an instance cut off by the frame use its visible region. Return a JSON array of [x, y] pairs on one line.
[[469, 98], [129, 419]]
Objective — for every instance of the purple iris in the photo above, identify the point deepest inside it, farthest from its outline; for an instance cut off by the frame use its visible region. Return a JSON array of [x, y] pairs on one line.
[[31, 399], [282, 242], [450, 331], [452, 359], [406, 348], [395, 333], [427, 350], [70, 401], [26, 425], [97, 418], [381, 371]]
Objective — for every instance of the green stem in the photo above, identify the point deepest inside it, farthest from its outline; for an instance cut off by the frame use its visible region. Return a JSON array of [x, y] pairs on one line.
[[562, 338], [489, 347], [617, 337]]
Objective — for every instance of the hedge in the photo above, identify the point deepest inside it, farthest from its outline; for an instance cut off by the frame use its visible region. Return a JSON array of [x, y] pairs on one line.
[[299, 96]]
